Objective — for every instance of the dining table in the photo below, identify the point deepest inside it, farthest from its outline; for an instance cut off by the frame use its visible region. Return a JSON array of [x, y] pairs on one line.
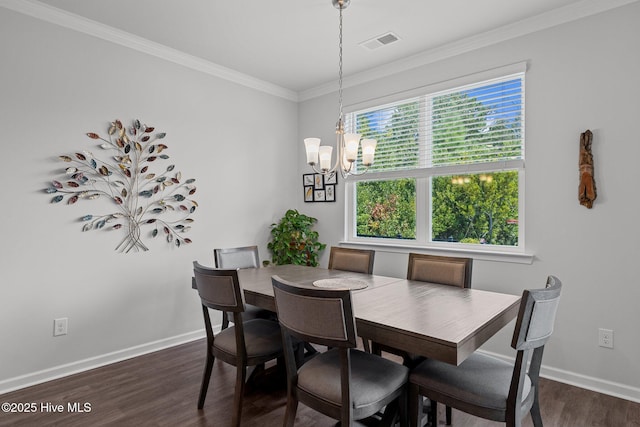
[[437, 321]]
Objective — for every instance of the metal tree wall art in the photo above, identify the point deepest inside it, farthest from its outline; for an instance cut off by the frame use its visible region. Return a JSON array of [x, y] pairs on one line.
[[141, 196]]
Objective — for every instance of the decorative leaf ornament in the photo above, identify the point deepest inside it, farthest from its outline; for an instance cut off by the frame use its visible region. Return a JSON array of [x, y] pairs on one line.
[[143, 194]]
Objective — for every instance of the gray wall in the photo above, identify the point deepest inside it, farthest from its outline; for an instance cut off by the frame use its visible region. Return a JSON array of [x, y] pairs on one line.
[[56, 85], [581, 75]]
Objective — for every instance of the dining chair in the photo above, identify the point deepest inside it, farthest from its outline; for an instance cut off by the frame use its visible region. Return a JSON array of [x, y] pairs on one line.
[[343, 383], [348, 259], [444, 270], [491, 388], [356, 260], [241, 257], [247, 343]]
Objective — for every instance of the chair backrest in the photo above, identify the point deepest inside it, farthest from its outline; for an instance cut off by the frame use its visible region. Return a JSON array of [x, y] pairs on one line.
[[452, 271], [537, 314], [218, 289], [242, 257], [348, 259], [320, 316]]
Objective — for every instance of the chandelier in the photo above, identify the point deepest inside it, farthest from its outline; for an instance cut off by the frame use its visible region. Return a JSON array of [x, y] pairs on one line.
[[347, 144]]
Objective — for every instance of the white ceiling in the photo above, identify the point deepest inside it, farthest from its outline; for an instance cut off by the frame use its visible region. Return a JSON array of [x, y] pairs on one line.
[[294, 45]]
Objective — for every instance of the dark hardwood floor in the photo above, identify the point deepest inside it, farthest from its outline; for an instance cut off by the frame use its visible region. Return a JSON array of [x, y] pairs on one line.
[[161, 389]]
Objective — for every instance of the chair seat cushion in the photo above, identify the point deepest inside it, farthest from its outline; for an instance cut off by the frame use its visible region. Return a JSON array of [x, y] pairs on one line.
[[480, 380], [262, 338], [372, 377]]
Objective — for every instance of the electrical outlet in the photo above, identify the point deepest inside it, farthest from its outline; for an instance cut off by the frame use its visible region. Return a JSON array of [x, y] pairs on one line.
[[605, 338], [60, 326]]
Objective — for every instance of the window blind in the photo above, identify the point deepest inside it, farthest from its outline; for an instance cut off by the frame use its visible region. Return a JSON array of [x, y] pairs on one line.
[[477, 123]]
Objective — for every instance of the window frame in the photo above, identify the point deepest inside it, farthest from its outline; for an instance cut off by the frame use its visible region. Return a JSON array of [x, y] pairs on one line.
[[423, 175]]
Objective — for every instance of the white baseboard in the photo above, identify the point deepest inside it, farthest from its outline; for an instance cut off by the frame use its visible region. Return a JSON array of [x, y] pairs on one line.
[[598, 385], [56, 372], [590, 383]]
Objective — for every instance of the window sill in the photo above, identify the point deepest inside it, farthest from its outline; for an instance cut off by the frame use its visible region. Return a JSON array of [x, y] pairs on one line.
[[497, 256]]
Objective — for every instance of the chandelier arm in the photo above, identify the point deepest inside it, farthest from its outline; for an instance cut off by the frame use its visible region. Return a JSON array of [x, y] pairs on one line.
[[347, 166]]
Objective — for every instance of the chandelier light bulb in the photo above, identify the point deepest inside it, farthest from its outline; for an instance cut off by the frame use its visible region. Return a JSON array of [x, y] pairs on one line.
[[312, 146]]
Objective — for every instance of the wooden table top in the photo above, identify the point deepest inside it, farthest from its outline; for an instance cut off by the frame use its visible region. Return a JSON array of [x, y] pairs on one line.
[[437, 321]]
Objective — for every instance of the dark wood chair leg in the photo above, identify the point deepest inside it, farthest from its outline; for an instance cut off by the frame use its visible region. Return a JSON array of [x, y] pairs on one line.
[[225, 320], [433, 413], [206, 377], [290, 414], [448, 415], [241, 373], [390, 414], [375, 348], [535, 411], [415, 406]]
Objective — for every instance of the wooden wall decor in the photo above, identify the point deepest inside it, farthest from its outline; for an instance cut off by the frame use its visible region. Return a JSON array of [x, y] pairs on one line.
[[587, 187]]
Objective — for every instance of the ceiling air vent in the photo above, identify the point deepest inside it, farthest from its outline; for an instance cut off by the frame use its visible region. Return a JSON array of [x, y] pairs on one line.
[[380, 41]]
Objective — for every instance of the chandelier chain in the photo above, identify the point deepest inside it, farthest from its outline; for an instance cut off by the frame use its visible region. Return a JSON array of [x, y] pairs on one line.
[[340, 67]]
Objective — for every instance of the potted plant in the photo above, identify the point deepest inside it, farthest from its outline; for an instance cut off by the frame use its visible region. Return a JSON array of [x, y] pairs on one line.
[[293, 241]]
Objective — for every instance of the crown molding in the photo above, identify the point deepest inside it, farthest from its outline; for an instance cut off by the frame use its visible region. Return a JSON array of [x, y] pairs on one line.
[[543, 21], [78, 23], [540, 22]]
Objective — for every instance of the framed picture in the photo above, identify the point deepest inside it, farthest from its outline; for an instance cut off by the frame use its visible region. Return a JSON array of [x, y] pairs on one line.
[[308, 193], [331, 178], [317, 187], [307, 179], [330, 193]]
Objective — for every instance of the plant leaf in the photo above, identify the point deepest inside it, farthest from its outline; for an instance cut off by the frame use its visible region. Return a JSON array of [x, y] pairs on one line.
[[93, 135]]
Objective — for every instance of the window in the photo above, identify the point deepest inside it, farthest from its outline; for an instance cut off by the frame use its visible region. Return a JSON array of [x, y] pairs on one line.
[[448, 171]]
